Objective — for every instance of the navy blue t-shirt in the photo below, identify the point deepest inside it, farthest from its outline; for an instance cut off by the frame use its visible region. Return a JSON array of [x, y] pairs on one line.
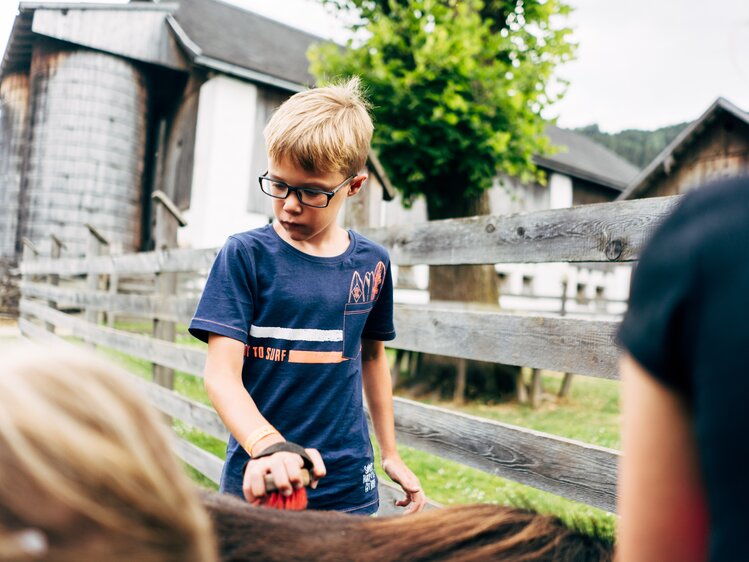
[[302, 318]]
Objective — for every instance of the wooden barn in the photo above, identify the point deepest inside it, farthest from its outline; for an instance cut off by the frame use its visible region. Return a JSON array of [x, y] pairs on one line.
[[714, 146], [102, 105]]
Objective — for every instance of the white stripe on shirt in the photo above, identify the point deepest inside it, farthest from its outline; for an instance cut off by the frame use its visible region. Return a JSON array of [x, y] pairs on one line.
[[294, 334]]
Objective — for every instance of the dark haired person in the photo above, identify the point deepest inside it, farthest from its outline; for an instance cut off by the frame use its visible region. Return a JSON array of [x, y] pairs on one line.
[[683, 490]]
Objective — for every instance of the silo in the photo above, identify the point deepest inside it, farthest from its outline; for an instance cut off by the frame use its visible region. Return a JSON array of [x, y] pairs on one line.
[[14, 98], [86, 149]]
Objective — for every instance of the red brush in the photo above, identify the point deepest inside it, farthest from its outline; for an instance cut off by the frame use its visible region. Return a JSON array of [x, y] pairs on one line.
[[297, 501]]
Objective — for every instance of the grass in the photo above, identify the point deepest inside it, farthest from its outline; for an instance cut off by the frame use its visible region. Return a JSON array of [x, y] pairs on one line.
[[589, 414]]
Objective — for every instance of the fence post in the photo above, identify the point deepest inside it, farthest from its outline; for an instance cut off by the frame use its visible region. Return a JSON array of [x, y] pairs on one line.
[[168, 220], [459, 396], [563, 309], [30, 253], [395, 371], [96, 241], [53, 279], [537, 389], [564, 390], [521, 391], [113, 286]]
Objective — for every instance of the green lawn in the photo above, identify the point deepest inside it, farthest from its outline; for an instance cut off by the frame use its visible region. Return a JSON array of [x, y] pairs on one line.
[[590, 414]]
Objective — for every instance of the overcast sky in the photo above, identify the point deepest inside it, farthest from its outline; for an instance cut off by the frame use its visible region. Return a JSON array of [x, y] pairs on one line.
[[640, 63]]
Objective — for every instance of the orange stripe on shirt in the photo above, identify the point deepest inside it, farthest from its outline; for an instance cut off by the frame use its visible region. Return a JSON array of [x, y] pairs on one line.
[[297, 356]]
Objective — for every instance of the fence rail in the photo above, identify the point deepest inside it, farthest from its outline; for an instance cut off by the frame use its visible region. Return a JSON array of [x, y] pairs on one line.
[[52, 295], [604, 232]]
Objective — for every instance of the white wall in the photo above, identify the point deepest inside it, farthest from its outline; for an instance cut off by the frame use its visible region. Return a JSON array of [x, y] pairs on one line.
[[560, 191], [222, 167]]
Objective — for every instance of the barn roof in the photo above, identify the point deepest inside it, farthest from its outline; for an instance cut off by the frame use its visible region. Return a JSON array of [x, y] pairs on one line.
[[583, 158], [227, 38], [663, 162], [213, 34]]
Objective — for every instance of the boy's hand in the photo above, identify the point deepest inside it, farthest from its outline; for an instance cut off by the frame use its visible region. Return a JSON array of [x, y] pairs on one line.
[[286, 469], [397, 470]]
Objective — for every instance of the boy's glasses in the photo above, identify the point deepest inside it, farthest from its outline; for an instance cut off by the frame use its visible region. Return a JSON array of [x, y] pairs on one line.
[[307, 196]]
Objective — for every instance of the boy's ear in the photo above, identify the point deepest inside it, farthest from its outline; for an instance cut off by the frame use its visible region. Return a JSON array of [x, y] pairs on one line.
[[356, 184]]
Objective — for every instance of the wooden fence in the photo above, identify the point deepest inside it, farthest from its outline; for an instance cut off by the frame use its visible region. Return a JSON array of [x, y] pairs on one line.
[[611, 232]]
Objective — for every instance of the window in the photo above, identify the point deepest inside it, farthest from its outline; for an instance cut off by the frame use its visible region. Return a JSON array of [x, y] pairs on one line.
[[527, 285], [580, 293]]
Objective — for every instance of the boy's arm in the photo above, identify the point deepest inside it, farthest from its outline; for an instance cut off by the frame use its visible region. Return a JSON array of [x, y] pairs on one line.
[[379, 395], [238, 411]]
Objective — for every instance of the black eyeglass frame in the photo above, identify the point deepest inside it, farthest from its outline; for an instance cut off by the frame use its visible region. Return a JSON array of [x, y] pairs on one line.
[[298, 190]]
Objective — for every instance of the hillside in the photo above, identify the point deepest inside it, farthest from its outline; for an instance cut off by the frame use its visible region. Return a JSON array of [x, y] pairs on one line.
[[634, 145]]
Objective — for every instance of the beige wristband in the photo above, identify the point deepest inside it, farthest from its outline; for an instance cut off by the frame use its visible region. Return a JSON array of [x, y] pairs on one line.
[[260, 433]]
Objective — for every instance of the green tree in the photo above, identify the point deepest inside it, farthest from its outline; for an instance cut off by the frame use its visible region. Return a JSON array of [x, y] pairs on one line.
[[457, 90]]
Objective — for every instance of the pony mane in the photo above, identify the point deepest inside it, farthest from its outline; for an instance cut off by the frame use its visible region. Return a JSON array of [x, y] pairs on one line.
[[469, 533]]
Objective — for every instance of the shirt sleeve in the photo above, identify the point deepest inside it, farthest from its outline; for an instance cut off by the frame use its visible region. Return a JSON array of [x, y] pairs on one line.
[[379, 325], [226, 305], [656, 329]]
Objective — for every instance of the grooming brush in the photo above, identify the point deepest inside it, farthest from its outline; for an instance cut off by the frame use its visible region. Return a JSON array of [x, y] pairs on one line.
[[297, 500]]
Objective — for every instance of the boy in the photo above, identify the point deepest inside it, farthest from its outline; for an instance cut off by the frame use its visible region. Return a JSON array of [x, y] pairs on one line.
[[296, 314]]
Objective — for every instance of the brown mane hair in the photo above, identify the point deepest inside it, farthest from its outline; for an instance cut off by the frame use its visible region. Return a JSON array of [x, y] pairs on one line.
[[469, 533]]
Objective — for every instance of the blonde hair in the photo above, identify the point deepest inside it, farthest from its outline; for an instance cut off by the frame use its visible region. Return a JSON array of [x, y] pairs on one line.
[[86, 471], [326, 129]]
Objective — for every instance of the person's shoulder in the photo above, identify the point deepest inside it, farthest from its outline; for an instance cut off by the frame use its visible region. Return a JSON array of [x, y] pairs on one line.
[[365, 245], [257, 238]]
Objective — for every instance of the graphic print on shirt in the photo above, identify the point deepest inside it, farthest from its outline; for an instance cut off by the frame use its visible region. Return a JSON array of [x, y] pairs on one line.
[[362, 295], [369, 478], [366, 290]]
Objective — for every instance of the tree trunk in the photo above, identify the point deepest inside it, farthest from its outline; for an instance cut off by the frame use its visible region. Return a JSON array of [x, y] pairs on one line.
[[466, 283], [475, 285]]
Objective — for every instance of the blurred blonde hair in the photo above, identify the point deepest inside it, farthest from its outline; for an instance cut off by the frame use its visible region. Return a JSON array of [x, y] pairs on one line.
[[326, 129], [86, 472]]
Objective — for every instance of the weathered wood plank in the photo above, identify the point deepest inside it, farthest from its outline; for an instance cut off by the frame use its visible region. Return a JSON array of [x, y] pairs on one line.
[[177, 406], [170, 355], [207, 464], [31, 331], [572, 469], [589, 233], [573, 345], [171, 308], [179, 260]]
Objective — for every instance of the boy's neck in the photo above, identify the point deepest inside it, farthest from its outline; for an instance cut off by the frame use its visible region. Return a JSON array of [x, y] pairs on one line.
[[329, 244]]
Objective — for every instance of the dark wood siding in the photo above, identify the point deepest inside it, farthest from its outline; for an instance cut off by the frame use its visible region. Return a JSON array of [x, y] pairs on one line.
[[721, 150], [585, 193], [14, 98]]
